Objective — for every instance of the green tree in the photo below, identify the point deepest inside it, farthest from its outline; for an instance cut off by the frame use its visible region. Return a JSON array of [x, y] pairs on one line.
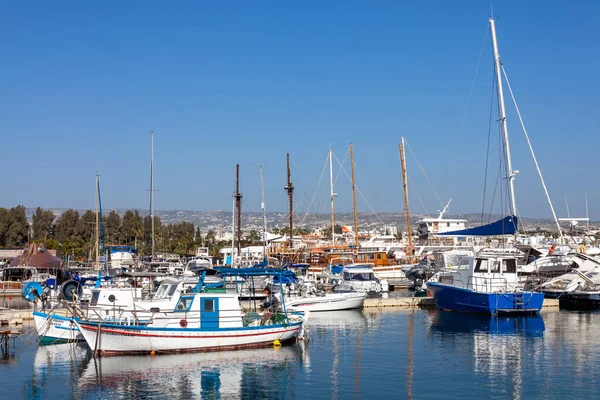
[[112, 227], [41, 224], [4, 224], [18, 229], [131, 227], [64, 227]]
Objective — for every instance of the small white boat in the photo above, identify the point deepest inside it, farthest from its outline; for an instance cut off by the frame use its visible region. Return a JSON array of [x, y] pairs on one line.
[[327, 302], [359, 277], [55, 329]]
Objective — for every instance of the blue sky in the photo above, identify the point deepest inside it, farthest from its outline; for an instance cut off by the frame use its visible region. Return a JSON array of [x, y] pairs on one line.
[[83, 84]]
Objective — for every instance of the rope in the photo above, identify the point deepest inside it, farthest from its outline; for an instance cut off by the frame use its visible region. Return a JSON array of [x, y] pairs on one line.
[[487, 154], [318, 184], [425, 174], [531, 150]]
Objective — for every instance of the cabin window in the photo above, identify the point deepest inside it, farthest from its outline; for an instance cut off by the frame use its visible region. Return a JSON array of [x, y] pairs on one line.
[[509, 266], [482, 265], [464, 264], [161, 291], [379, 256], [448, 224], [172, 290], [364, 276], [495, 267], [209, 305], [94, 300], [184, 303]]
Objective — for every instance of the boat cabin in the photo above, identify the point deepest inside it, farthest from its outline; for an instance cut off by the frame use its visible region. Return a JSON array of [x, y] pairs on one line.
[[488, 272]]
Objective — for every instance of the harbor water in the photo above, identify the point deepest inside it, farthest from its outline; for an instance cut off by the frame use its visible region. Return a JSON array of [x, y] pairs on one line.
[[352, 354]]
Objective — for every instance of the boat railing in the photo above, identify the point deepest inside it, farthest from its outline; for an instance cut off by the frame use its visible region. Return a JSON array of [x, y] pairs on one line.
[[487, 284]]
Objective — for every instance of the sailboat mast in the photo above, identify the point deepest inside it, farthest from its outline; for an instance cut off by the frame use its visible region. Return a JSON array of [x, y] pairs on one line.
[[510, 172], [587, 214], [354, 198], [332, 197], [405, 184], [264, 214], [232, 230], [290, 189], [97, 244], [152, 194], [238, 207]]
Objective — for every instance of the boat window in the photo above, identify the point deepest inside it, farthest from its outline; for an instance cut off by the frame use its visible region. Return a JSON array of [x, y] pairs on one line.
[[379, 256], [94, 300], [161, 291], [482, 265], [464, 264], [209, 305], [495, 266], [172, 290], [184, 303], [364, 276], [509, 266]]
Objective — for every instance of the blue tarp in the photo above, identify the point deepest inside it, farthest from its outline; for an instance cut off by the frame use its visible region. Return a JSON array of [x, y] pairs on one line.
[[505, 226]]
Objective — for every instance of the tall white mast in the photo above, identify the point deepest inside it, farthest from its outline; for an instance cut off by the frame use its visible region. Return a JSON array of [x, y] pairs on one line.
[[264, 214], [510, 172], [332, 197], [152, 193], [97, 244], [587, 214], [233, 231]]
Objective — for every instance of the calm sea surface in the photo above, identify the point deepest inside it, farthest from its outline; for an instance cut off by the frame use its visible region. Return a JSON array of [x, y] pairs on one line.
[[351, 354]]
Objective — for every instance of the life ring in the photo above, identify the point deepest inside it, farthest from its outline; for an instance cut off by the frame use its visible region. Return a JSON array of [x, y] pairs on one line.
[[183, 323], [581, 249]]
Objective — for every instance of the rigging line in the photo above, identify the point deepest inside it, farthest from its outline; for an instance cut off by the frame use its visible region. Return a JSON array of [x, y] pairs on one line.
[[364, 198], [494, 194], [464, 118], [314, 194], [416, 191], [425, 174], [341, 165], [487, 155], [532, 153]]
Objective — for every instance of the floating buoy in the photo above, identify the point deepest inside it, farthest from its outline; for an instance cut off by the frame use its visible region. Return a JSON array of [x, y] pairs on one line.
[[276, 343], [153, 353]]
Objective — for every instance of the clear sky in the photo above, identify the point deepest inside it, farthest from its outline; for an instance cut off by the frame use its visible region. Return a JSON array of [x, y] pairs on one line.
[[82, 84]]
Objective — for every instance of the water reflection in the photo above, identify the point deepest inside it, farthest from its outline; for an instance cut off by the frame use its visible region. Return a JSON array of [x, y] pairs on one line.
[[255, 373], [450, 322], [56, 369], [498, 345]]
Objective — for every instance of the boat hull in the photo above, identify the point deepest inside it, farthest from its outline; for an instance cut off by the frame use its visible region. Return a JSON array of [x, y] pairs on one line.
[[580, 301], [109, 339], [55, 329], [452, 298], [334, 302]]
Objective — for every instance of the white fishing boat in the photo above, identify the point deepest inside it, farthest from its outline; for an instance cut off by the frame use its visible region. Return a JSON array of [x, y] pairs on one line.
[[327, 302], [204, 319]]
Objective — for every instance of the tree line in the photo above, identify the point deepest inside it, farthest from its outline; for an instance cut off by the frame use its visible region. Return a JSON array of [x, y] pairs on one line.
[[74, 234]]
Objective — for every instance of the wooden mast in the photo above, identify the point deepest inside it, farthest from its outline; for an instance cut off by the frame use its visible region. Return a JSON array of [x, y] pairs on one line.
[[405, 184], [290, 189], [354, 199], [238, 207], [152, 195], [97, 244]]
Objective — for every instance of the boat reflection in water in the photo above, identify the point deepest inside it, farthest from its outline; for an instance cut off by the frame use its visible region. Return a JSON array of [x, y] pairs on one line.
[[55, 365], [255, 373], [501, 346], [530, 325]]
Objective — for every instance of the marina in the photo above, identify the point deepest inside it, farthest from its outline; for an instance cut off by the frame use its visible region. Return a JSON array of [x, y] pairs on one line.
[[299, 202]]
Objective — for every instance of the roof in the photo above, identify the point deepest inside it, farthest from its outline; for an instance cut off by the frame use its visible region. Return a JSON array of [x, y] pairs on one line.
[[36, 255]]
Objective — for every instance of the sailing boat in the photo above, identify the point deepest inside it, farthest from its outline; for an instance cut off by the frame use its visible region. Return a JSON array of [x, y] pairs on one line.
[[489, 283]]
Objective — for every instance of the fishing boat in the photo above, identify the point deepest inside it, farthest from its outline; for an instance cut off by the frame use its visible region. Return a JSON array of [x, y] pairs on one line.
[[489, 284], [486, 284], [203, 319]]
